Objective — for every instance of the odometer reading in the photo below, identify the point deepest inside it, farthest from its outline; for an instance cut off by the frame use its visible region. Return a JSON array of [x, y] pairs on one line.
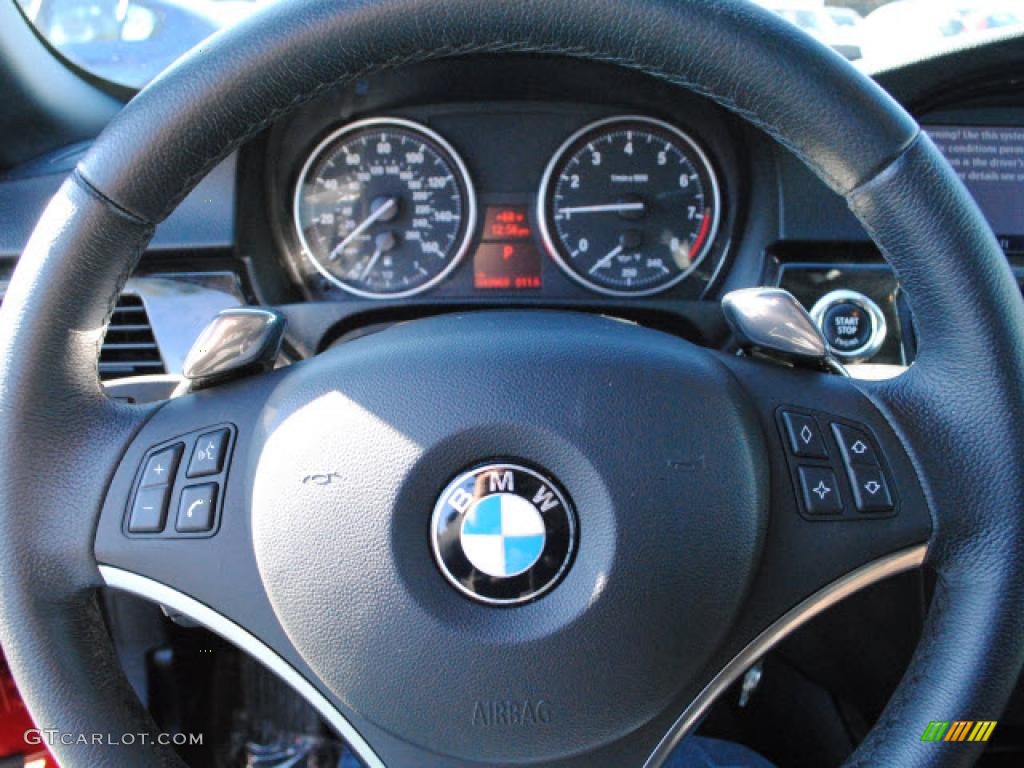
[[384, 208], [629, 206]]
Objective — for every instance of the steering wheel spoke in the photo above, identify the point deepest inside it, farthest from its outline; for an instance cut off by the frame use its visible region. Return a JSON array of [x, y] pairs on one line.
[[844, 493], [176, 510], [176, 530], [846, 511]]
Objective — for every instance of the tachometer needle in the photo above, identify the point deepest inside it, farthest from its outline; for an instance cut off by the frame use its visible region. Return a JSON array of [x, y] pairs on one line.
[[371, 264], [370, 220], [602, 263], [606, 208]]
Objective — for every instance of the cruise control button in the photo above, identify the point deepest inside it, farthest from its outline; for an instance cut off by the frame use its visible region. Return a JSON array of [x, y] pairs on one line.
[[208, 455], [805, 439], [197, 508], [856, 446], [870, 491], [820, 491], [149, 510], [161, 466]]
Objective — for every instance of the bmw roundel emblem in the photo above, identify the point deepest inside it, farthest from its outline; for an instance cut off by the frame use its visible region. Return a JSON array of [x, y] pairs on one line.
[[503, 534]]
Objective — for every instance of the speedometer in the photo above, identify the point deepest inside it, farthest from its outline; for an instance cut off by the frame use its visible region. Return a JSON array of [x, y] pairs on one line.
[[629, 206], [384, 208]]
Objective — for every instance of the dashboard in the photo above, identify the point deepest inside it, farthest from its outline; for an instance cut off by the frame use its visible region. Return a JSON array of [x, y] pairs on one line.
[[537, 183], [989, 159], [575, 186], [842, 278]]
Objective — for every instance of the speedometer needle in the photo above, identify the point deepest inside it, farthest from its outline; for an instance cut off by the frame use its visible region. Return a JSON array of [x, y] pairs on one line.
[[602, 263], [370, 220], [371, 264], [607, 208]]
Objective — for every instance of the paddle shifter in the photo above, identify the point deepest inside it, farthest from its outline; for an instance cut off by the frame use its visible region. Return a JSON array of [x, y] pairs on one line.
[[770, 323]]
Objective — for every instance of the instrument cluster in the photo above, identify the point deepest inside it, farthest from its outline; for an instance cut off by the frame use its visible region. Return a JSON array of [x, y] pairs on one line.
[[549, 203]]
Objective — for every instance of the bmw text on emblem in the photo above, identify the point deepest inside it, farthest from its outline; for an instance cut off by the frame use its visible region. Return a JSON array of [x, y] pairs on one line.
[[503, 534]]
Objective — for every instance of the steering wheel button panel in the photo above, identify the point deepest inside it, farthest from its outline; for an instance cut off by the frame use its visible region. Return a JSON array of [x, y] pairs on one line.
[[805, 437], [163, 476], [162, 466], [838, 474], [197, 508], [208, 454], [820, 491]]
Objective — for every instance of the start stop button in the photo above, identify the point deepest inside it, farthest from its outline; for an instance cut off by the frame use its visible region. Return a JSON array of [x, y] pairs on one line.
[[852, 324]]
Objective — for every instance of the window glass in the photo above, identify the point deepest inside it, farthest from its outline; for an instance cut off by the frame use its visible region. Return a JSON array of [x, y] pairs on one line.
[[130, 41]]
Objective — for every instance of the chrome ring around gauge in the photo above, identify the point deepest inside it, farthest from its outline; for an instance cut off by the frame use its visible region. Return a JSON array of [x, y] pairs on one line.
[[384, 208], [629, 206]]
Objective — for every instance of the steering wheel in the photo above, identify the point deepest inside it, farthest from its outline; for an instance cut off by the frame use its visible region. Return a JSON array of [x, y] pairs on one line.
[[690, 554]]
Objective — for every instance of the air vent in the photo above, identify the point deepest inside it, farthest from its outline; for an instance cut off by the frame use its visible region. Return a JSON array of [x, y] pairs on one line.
[[129, 348]]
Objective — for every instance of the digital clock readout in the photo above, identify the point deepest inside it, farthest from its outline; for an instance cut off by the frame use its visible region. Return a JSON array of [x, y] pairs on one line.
[[507, 260]]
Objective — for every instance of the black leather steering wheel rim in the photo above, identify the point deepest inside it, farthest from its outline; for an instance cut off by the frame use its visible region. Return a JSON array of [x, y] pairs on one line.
[[959, 411]]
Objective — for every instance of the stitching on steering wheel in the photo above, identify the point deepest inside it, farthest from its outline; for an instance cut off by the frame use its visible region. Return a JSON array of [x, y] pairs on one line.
[[145, 234], [91, 188], [494, 47], [893, 722]]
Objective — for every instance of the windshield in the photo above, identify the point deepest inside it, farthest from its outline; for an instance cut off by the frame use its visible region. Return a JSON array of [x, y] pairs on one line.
[[129, 42]]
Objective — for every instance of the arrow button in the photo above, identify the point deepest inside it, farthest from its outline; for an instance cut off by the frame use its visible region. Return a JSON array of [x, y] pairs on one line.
[[857, 447], [804, 436], [870, 490]]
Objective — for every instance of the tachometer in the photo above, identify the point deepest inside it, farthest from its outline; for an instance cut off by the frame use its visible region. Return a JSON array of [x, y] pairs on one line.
[[384, 208], [629, 206]]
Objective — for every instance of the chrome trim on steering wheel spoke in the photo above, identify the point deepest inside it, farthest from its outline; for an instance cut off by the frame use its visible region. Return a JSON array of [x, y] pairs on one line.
[[149, 589], [863, 577], [825, 598]]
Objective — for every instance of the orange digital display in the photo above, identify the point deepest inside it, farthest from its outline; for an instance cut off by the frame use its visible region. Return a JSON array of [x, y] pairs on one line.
[[507, 222], [507, 266]]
